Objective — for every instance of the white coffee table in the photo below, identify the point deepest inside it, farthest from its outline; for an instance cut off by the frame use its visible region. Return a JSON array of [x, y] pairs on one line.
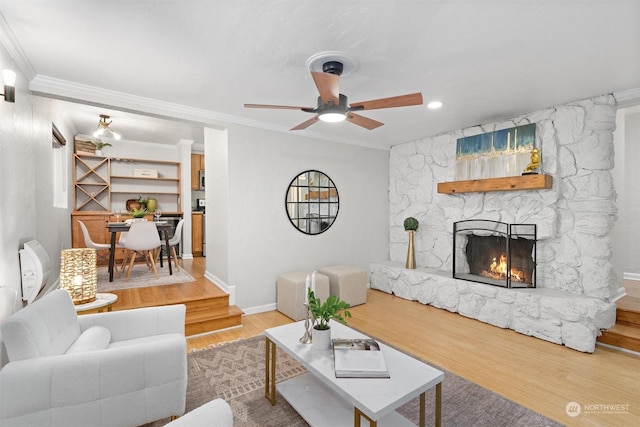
[[324, 400]]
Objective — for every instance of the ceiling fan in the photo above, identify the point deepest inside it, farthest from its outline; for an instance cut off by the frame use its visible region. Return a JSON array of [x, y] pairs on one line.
[[333, 106]]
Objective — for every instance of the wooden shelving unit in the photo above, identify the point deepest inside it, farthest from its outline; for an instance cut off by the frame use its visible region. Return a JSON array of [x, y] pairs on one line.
[[91, 182], [143, 178], [510, 183], [103, 184]]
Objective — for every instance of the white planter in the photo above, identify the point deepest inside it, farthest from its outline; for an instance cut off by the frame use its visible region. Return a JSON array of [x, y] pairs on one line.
[[321, 339]]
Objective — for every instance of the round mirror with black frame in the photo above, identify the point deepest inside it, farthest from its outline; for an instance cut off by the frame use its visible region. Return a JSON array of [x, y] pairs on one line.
[[312, 202]]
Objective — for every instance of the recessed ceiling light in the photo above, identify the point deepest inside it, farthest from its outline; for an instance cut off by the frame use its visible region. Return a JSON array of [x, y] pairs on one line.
[[434, 105]]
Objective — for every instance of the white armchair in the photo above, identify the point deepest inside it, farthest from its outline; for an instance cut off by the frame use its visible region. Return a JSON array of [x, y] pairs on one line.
[[121, 368]]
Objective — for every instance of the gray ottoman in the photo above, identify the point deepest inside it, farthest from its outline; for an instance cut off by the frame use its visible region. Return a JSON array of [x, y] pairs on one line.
[[347, 282], [291, 289]]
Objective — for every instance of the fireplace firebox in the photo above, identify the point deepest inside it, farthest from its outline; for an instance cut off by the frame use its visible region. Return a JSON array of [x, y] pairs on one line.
[[495, 253]]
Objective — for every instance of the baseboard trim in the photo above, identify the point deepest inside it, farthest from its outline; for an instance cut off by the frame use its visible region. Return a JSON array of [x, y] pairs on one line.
[[231, 290], [632, 285], [260, 309]]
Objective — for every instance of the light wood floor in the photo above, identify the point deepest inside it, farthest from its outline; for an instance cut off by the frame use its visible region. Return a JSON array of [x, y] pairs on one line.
[[542, 376]]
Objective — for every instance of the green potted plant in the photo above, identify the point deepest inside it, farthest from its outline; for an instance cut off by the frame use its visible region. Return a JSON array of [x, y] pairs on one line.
[[139, 212], [332, 308], [411, 225], [99, 145]]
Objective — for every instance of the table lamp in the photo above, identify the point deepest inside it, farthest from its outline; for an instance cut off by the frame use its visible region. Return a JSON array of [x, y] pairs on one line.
[[78, 274]]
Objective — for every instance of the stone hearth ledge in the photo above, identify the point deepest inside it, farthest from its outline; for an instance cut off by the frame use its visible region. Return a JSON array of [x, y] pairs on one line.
[[549, 314]]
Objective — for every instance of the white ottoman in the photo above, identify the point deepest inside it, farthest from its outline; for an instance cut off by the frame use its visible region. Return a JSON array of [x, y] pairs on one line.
[[291, 289], [348, 283], [214, 413]]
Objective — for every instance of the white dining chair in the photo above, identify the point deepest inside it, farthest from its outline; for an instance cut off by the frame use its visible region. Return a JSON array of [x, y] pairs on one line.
[[173, 242], [142, 238], [89, 243]]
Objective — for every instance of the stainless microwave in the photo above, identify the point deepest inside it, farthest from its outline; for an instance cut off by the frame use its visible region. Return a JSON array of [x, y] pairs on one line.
[[201, 177]]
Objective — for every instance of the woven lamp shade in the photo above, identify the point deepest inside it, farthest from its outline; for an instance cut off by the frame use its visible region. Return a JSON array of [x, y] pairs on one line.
[[78, 274]]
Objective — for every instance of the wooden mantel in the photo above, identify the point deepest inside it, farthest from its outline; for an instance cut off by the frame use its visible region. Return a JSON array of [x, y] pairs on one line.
[[510, 183]]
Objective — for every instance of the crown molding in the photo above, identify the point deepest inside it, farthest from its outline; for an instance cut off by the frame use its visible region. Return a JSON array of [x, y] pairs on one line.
[[10, 42], [85, 94], [628, 98], [76, 92]]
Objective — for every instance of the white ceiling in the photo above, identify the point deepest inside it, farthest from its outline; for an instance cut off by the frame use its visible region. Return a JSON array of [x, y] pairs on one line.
[[202, 60]]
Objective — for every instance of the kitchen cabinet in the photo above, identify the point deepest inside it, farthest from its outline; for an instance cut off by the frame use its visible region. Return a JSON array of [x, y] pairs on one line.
[[197, 164], [96, 223], [196, 233]]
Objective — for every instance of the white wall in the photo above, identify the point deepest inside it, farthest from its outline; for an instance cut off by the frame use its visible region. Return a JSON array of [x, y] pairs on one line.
[[262, 243], [26, 178], [217, 213], [631, 213], [627, 175]]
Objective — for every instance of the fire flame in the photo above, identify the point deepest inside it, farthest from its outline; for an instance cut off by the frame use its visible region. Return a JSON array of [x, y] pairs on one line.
[[498, 270]]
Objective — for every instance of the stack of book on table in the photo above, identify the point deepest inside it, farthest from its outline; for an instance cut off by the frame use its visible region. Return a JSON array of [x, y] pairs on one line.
[[359, 358]]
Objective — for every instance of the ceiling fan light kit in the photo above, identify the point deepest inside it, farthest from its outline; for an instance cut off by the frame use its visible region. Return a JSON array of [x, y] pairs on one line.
[[331, 113], [326, 69], [330, 117]]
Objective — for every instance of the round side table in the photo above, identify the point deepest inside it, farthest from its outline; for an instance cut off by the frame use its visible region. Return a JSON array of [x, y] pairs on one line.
[[103, 301]]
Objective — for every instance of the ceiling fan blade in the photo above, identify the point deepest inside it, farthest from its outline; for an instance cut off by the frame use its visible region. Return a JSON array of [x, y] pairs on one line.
[[306, 124], [328, 86], [394, 101], [279, 107], [363, 121]]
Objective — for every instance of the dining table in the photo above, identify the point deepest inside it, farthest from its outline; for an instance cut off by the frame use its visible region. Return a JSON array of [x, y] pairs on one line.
[[120, 227]]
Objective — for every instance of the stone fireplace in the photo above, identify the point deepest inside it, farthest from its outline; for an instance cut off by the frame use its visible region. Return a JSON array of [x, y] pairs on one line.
[[495, 253], [575, 284]]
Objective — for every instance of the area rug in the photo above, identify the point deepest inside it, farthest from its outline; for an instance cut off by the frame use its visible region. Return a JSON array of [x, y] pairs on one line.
[[141, 277], [235, 372]]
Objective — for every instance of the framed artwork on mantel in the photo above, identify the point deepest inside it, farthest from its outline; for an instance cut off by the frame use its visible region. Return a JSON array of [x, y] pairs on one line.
[[497, 154]]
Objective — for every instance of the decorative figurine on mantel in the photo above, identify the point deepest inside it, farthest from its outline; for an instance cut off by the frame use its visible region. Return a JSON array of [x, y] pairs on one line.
[[532, 168]]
